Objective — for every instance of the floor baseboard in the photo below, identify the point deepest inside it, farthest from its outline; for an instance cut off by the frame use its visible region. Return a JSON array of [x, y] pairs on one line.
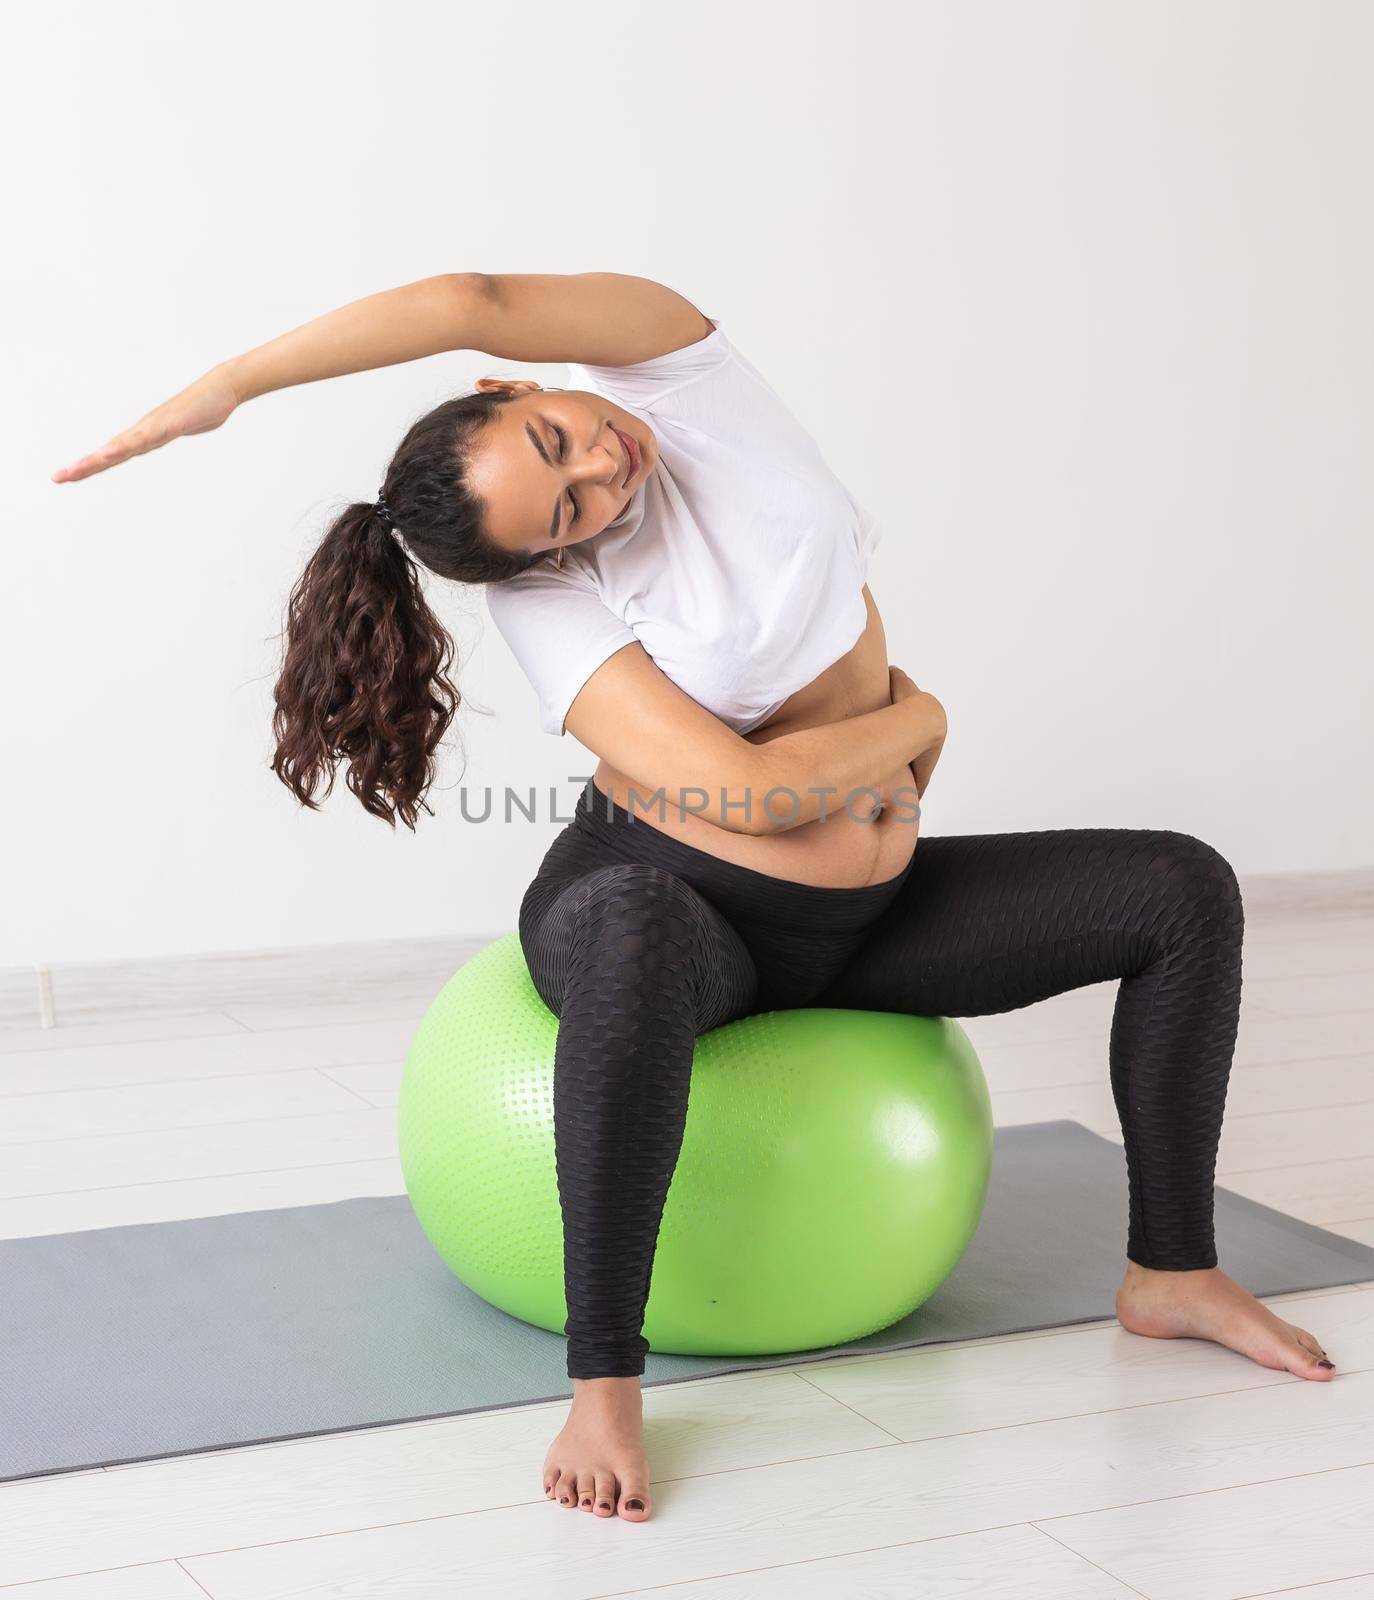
[[321, 974]]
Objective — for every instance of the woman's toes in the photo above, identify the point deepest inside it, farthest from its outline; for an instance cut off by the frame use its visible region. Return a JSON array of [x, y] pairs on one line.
[[603, 1505], [634, 1503], [551, 1475], [1312, 1349], [586, 1491], [566, 1491], [1303, 1362], [1312, 1343]]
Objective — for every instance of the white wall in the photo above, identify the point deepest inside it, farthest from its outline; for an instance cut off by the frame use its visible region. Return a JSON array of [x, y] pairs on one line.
[[1075, 295]]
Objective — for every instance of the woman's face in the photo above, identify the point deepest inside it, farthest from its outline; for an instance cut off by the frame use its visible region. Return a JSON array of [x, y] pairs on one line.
[[556, 465]]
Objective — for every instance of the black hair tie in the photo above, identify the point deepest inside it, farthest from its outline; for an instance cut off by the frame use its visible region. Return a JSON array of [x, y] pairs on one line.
[[383, 511]]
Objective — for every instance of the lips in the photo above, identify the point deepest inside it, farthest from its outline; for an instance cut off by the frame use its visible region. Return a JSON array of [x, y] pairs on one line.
[[631, 454]]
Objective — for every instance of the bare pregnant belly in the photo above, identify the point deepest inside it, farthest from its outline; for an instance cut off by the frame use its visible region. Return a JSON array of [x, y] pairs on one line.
[[869, 840]]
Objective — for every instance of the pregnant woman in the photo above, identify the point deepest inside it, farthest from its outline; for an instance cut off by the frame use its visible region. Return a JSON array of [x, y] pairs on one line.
[[683, 580]]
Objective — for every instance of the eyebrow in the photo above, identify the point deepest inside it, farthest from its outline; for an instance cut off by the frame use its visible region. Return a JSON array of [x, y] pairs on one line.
[[557, 505]]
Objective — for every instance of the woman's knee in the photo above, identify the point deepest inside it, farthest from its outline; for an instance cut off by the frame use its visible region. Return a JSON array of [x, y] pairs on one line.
[[652, 930], [1198, 879], [632, 889], [633, 912], [617, 918], [658, 932]]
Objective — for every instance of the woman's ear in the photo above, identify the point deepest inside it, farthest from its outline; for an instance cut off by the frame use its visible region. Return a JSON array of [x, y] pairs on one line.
[[514, 385]]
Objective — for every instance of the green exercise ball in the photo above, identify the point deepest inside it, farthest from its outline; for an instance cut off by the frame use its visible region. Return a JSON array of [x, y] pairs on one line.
[[833, 1167]]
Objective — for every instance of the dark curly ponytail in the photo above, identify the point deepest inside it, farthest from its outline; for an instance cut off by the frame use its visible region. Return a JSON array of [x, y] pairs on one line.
[[364, 678]]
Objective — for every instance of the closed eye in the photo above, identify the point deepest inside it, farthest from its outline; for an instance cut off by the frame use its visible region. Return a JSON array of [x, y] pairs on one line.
[[562, 456]]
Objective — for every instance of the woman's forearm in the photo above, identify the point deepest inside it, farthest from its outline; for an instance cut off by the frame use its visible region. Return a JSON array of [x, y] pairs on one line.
[[381, 330], [818, 770], [924, 765]]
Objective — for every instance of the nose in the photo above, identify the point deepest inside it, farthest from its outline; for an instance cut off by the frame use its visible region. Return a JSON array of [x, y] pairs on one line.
[[605, 463]]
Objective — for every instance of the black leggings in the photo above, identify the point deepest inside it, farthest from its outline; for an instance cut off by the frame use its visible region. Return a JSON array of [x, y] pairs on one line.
[[639, 942]]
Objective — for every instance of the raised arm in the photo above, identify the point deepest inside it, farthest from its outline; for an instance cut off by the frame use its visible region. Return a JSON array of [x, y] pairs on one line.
[[607, 318], [634, 716]]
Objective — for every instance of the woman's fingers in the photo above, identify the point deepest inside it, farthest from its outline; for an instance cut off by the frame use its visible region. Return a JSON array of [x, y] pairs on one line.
[[207, 403], [135, 441], [900, 685], [86, 466]]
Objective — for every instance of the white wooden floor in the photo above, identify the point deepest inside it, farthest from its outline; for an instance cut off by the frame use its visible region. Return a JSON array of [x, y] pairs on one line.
[[1078, 1464]]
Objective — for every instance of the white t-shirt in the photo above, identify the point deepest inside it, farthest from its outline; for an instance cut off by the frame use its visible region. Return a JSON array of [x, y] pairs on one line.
[[739, 563]]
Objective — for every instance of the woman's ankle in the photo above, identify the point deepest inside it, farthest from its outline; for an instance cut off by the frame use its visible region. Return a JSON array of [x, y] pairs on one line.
[[605, 1389]]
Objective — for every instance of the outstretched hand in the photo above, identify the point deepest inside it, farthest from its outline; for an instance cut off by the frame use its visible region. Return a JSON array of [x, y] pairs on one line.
[[205, 405]]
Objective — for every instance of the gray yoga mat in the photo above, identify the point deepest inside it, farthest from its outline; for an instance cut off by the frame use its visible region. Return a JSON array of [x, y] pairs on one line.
[[168, 1338]]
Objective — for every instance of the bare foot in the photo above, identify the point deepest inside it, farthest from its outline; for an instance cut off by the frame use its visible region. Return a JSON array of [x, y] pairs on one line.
[[598, 1463], [1210, 1305]]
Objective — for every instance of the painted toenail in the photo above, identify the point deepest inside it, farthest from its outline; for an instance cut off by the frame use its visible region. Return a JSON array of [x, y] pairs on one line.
[[635, 1505], [604, 1505], [1330, 1365]]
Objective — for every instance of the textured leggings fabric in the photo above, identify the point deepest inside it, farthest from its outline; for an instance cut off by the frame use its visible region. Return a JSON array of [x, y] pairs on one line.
[[638, 943]]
